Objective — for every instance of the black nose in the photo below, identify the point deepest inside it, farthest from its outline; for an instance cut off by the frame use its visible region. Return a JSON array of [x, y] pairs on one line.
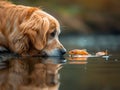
[[62, 51]]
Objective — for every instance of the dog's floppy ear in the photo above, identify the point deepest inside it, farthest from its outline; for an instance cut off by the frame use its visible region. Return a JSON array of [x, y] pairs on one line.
[[42, 34], [39, 39], [36, 28]]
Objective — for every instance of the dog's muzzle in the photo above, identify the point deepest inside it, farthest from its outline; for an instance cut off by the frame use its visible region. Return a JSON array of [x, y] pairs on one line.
[[54, 52]]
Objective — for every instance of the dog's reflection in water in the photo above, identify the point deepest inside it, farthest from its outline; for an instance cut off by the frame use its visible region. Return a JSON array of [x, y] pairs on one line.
[[29, 74]]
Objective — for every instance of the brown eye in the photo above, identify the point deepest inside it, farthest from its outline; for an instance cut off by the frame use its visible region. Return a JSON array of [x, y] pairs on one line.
[[53, 34]]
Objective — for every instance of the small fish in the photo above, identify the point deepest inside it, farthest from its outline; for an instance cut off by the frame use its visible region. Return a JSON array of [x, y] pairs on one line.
[[78, 52]]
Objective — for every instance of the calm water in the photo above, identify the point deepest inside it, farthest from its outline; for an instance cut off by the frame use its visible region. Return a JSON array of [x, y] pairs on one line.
[[58, 73]]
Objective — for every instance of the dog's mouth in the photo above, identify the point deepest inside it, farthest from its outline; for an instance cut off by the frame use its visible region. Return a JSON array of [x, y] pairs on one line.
[[53, 53], [44, 54]]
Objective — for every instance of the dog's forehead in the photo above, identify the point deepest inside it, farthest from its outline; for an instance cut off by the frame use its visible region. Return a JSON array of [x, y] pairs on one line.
[[53, 21]]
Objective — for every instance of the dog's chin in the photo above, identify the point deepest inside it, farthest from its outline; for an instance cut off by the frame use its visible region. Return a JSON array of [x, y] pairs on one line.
[[52, 53]]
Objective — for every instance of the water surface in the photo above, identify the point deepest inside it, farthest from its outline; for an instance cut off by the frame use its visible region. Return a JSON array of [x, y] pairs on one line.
[[58, 73]]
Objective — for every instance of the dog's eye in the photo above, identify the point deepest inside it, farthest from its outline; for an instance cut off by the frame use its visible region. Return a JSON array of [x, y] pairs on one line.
[[53, 34]]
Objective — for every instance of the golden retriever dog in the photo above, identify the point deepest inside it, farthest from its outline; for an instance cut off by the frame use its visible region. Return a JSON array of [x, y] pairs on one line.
[[29, 74], [29, 31]]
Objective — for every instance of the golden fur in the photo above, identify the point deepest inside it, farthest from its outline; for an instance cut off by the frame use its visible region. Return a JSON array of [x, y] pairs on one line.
[[27, 31]]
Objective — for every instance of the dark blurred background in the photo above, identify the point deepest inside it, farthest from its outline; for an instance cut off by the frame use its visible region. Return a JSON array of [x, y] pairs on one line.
[[82, 16], [84, 23]]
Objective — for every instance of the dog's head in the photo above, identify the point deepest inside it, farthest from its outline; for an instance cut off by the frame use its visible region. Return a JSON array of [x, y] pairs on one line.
[[43, 30]]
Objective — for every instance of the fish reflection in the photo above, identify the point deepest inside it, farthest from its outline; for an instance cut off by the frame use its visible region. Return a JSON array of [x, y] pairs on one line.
[[30, 74], [77, 60]]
